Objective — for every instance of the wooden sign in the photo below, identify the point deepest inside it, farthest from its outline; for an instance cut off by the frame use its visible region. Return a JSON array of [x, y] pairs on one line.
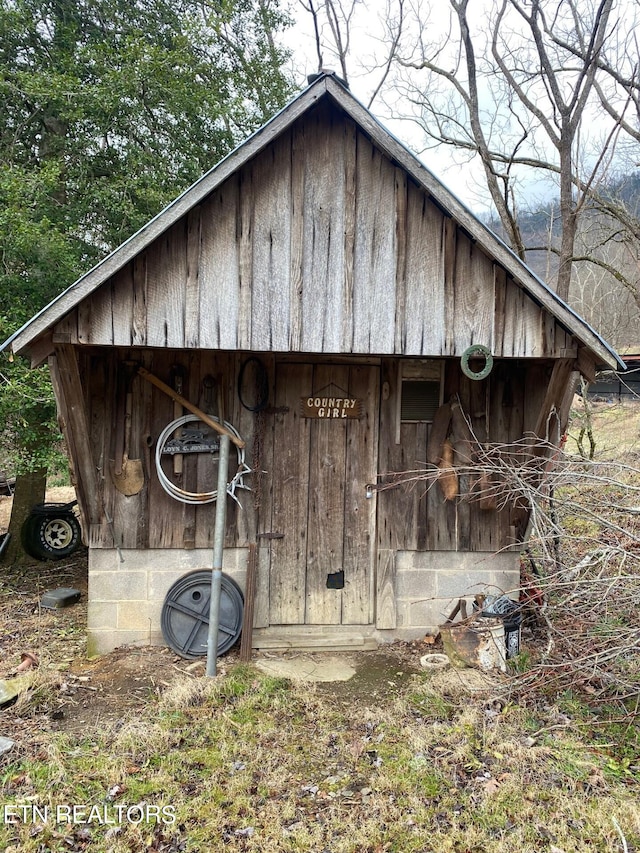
[[334, 408]]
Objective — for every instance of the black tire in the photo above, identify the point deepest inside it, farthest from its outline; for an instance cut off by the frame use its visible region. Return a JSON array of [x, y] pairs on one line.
[[51, 536]]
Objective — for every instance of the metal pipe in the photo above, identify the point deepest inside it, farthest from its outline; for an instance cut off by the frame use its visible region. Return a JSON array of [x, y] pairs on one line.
[[218, 549]]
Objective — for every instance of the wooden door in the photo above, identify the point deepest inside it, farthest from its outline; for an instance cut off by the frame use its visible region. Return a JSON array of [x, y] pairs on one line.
[[321, 520]]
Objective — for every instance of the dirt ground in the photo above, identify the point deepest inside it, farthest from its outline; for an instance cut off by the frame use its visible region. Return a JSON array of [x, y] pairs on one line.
[[73, 694]]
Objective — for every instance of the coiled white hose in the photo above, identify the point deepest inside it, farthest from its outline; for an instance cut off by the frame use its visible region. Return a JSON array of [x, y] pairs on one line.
[[194, 497]]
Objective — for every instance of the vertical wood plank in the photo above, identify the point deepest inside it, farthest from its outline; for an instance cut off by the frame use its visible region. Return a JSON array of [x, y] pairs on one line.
[[473, 297], [401, 190], [401, 509], [271, 247], [359, 512], [139, 331], [374, 295], [327, 461], [323, 308], [450, 260], [67, 329], [245, 256], [122, 306], [297, 235], [100, 368], [192, 281], [290, 478], [442, 516], [68, 386], [85, 329], [263, 482], [500, 312], [129, 511], [423, 319], [165, 514], [167, 272], [219, 269], [97, 316], [350, 148]]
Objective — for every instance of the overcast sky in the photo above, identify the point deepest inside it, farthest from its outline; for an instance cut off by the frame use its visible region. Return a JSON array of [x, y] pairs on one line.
[[368, 44]]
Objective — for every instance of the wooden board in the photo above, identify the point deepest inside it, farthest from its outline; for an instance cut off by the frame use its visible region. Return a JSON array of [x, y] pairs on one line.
[[359, 511], [218, 270], [374, 303], [271, 247], [321, 521], [423, 316], [323, 303], [288, 478], [327, 462]]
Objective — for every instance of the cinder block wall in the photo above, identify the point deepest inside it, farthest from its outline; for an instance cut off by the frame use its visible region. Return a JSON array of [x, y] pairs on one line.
[[429, 583], [126, 596]]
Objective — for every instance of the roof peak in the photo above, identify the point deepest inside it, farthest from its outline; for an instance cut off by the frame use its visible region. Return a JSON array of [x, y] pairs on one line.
[[327, 72]]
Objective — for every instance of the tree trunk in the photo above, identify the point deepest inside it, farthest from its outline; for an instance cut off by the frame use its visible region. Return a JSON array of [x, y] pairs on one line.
[[30, 489]]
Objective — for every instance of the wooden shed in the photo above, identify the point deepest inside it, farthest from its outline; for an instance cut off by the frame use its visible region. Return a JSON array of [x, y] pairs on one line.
[[318, 289]]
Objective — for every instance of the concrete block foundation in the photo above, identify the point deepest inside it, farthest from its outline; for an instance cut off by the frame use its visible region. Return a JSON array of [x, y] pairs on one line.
[[126, 596]]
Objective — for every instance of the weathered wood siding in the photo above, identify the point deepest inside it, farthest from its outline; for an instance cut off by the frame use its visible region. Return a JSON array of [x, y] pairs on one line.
[[415, 518], [514, 400], [320, 244]]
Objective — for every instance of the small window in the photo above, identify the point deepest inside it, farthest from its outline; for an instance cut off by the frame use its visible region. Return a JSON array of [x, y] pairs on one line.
[[420, 381], [420, 399]]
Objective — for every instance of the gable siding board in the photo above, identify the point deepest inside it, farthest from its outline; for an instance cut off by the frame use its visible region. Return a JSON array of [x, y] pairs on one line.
[[423, 320], [218, 269], [192, 284], [271, 238], [139, 321], [323, 236], [375, 252], [166, 273], [318, 244], [472, 300], [325, 91]]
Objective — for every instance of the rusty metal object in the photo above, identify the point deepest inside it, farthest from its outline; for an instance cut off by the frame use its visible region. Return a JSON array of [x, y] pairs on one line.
[[478, 644]]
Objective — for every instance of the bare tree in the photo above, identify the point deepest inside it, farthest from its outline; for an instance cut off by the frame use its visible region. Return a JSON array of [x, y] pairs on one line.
[[517, 91], [334, 25]]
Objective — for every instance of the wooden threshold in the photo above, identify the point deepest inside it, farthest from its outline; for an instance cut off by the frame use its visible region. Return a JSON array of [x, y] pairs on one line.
[[314, 638]]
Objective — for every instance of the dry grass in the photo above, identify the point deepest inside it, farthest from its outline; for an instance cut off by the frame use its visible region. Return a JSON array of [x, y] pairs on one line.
[[445, 763], [616, 428], [250, 762]]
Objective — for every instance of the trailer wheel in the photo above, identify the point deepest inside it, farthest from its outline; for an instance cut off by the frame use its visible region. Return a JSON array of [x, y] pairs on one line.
[[51, 536]]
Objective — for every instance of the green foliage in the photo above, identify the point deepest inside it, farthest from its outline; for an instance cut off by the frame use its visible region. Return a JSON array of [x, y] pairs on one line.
[[109, 111], [28, 412]]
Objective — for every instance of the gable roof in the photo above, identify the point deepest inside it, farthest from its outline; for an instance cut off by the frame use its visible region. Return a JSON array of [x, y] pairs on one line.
[[325, 86]]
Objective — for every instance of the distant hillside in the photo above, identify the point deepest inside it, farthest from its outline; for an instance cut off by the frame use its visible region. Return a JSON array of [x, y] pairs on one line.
[[595, 293]]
